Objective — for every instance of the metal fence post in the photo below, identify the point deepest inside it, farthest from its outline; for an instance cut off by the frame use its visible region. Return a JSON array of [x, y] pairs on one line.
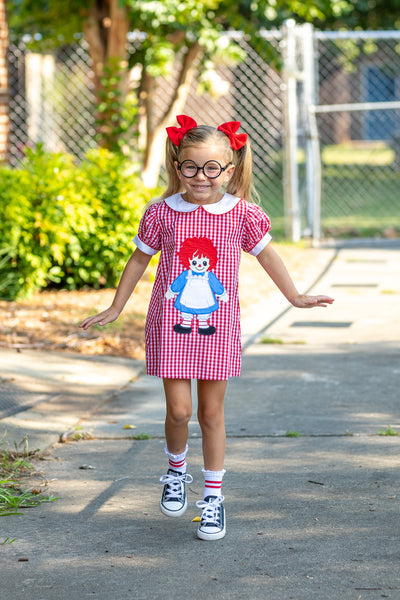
[[4, 89], [312, 146], [290, 137]]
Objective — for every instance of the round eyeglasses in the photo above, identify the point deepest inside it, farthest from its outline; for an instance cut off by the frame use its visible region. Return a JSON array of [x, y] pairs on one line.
[[211, 169]]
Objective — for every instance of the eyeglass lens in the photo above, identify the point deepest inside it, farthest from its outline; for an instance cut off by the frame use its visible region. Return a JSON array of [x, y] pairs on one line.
[[211, 169]]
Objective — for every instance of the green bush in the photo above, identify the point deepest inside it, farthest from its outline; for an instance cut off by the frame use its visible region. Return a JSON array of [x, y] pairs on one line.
[[66, 225]]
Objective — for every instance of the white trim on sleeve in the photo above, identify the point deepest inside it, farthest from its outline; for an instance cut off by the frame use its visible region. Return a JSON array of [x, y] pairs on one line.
[[261, 245], [144, 247]]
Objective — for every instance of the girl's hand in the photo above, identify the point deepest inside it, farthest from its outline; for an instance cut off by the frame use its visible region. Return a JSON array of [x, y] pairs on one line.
[[305, 301], [102, 318]]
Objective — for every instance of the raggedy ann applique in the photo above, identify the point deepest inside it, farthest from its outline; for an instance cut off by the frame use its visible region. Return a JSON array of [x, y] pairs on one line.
[[196, 289]]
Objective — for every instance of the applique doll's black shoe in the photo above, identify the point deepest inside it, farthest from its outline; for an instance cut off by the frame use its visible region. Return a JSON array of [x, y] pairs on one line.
[[206, 330], [180, 329]]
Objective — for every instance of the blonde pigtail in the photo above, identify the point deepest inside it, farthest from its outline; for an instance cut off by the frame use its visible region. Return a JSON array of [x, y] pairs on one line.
[[240, 183], [171, 156]]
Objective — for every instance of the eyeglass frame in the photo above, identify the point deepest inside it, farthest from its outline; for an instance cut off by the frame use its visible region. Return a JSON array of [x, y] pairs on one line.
[[202, 168]]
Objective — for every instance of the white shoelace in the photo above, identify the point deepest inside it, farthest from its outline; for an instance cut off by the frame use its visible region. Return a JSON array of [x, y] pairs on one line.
[[210, 510], [175, 484]]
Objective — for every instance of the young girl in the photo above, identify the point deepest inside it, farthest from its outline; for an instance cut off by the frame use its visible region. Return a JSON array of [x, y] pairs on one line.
[[192, 327]]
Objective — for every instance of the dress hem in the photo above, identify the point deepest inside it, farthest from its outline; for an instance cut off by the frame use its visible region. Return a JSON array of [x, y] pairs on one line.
[[193, 377]]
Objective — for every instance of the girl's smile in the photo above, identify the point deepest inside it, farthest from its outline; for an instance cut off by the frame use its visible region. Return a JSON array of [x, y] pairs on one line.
[[201, 189]]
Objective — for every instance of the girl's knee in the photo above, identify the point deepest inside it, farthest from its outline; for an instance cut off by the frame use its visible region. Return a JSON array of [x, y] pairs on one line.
[[179, 415], [178, 400], [210, 417]]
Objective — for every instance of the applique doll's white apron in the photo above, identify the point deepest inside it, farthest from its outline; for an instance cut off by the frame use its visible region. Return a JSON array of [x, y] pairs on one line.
[[197, 293]]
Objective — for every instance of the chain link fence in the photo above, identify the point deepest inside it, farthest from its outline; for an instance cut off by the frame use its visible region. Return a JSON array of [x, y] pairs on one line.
[[323, 114], [52, 101], [360, 138]]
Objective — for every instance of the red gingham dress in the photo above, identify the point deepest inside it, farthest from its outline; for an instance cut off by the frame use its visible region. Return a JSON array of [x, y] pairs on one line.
[[231, 225]]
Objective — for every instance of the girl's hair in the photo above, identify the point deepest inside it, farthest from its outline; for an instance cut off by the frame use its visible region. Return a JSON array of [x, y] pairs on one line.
[[240, 183]]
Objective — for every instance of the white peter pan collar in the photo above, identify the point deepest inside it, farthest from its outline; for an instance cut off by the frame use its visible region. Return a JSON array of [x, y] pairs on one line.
[[227, 202]]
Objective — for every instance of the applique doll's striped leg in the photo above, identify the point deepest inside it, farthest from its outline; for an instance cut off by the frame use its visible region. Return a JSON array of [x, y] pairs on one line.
[[186, 325]]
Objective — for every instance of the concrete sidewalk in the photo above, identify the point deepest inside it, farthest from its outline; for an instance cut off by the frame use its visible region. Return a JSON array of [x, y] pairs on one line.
[[314, 516]]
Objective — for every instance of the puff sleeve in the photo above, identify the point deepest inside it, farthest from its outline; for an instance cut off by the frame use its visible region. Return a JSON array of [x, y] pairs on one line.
[[256, 230], [148, 238]]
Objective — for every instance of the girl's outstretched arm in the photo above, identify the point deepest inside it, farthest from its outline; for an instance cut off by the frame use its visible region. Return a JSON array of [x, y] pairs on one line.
[[134, 269], [272, 263]]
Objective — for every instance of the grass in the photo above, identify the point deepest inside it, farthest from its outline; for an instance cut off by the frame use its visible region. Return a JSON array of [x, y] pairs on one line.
[[15, 468], [14, 463], [13, 498], [141, 436], [269, 340], [8, 540], [388, 431], [292, 434], [278, 341], [361, 153]]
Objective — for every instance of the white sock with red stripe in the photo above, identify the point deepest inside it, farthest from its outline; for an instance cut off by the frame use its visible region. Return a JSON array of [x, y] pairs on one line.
[[177, 462], [212, 482]]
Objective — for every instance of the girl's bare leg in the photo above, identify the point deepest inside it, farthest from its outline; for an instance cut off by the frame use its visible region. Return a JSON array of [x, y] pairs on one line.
[[179, 410], [212, 422]]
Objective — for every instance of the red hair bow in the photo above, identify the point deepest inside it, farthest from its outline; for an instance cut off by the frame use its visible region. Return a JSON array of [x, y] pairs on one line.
[[176, 134], [237, 140]]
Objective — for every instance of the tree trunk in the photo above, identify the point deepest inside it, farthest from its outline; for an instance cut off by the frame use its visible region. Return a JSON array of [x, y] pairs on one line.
[[105, 30], [4, 92], [119, 27], [154, 151]]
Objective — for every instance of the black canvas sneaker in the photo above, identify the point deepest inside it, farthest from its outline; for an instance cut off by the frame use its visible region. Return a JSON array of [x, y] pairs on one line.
[[212, 526], [173, 501]]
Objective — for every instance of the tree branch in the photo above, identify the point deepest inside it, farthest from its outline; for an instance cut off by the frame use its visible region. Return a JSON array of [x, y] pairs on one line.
[[155, 131], [183, 85]]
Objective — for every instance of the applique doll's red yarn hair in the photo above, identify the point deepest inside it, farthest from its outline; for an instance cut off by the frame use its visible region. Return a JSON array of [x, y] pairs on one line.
[[198, 247]]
